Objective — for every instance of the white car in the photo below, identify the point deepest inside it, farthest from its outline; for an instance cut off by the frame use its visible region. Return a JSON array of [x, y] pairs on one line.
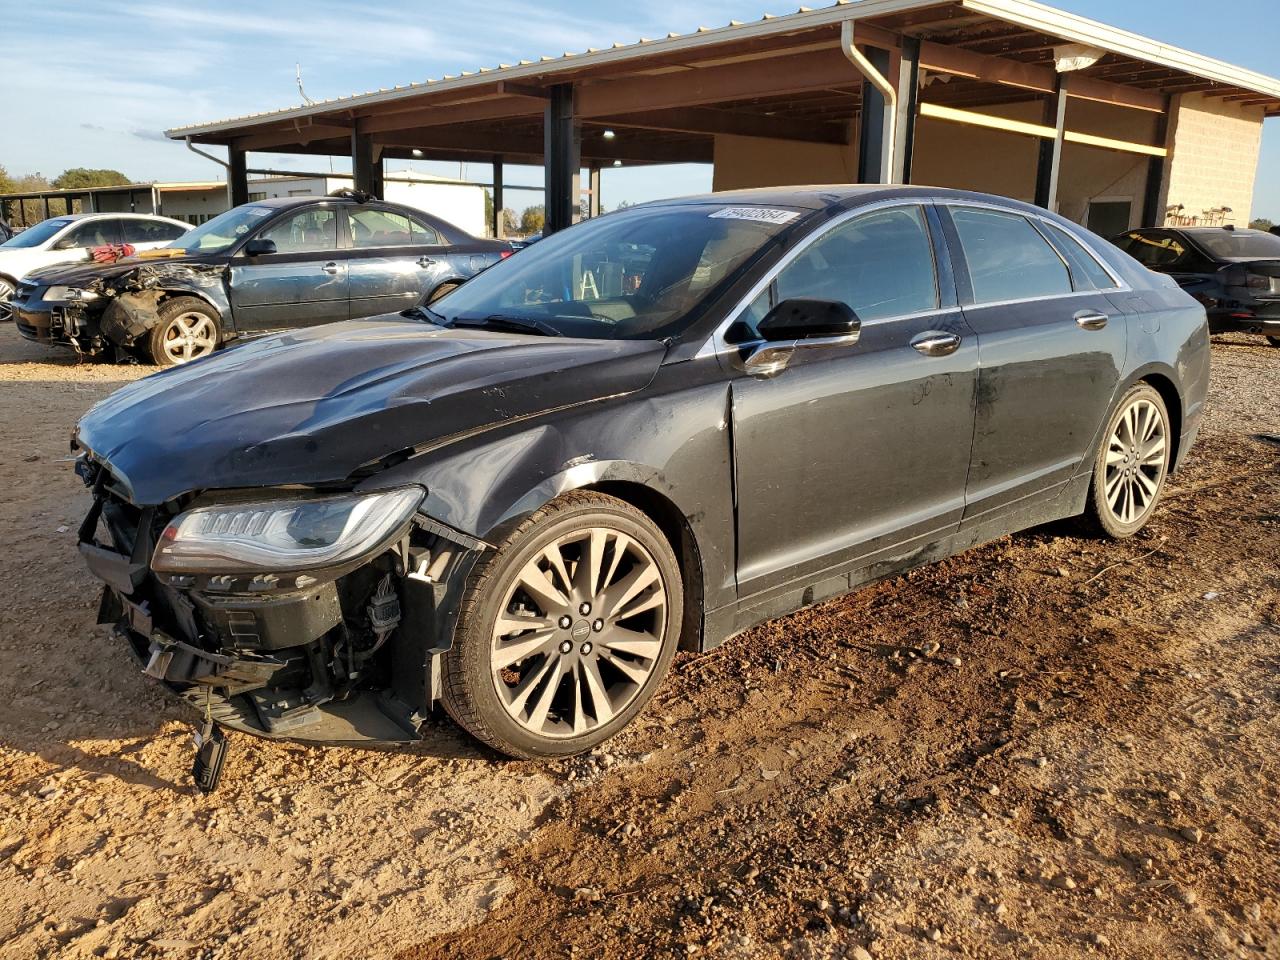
[[72, 238]]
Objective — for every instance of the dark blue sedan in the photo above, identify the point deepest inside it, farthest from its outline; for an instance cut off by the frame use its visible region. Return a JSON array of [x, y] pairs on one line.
[[265, 266]]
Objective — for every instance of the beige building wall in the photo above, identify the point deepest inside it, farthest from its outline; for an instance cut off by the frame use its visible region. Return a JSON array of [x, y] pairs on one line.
[[744, 162], [1213, 162]]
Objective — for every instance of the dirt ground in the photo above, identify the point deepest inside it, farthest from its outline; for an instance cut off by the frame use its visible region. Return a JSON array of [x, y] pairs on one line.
[[1049, 747]]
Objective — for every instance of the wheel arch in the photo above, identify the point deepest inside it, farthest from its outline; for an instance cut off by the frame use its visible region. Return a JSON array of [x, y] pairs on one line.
[[1162, 381]]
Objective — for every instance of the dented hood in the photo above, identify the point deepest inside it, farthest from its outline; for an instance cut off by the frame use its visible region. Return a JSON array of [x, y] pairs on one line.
[[85, 274], [313, 406]]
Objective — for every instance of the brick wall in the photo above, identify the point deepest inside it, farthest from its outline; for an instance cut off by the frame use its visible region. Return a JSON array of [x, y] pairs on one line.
[[1213, 160]]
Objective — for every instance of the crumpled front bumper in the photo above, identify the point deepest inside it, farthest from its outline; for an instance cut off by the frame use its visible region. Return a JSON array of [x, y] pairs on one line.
[[263, 663]]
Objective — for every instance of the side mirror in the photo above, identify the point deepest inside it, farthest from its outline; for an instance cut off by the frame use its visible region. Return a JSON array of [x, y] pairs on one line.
[[66, 243], [259, 247], [801, 324], [800, 319]]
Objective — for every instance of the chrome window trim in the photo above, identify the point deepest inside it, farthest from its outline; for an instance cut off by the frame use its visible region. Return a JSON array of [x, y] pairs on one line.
[[716, 343], [1120, 283]]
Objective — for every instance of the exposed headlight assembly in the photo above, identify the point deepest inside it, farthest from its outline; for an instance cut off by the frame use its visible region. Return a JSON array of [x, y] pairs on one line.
[[283, 535], [63, 294]]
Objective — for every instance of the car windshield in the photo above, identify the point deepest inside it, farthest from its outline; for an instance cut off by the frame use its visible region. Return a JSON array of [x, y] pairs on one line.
[[1240, 244], [222, 232], [34, 236], [642, 274]]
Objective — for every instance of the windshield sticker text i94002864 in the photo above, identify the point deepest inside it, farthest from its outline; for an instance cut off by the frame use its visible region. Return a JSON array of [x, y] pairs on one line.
[[758, 214]]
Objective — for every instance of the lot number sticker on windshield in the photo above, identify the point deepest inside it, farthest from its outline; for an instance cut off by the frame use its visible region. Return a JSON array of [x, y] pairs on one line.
[[758, 214]]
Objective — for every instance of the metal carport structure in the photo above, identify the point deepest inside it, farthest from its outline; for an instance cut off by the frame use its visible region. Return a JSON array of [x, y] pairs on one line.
[[853, 81]]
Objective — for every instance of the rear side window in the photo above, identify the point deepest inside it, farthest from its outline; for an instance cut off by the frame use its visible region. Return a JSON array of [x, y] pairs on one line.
[[1089, 273], [150, 231], [1156, 250], [880, 264], [1007, 257], [371, 228]]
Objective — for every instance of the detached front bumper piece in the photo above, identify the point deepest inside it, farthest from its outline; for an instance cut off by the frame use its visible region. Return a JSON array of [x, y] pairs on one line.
[[343, 657]]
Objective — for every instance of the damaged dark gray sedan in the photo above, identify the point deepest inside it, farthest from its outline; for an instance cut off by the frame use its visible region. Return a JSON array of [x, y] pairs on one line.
[[643, 434]]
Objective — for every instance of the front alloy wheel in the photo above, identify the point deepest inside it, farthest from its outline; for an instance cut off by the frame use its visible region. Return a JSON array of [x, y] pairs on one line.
[[580, 612], [6, 300], [188, 330], [1131, 467]]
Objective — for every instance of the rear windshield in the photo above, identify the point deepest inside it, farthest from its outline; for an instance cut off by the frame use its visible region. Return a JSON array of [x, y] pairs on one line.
[[1240, 244], [641, 274], [34, 236]]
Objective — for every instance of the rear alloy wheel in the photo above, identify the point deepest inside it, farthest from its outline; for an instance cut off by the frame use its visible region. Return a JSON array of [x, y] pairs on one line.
[[442, 291], [188, 330], [566, 630], [7, 291], [1132, 465]]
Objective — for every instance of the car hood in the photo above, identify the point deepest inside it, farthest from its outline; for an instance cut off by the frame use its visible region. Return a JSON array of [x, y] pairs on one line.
[[314, 406], [83, 274]]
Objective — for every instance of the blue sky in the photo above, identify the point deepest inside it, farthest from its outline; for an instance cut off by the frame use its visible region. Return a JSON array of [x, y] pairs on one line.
[[95, 84]]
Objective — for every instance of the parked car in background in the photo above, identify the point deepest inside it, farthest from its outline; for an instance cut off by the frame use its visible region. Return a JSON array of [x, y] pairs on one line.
[[265, 266], [1234, 273], [646, 432], [71, 239]]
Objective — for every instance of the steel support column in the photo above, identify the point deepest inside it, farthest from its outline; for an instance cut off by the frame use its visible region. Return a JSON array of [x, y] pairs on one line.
[[562, 163], [1153, 202], [366, 164], [499, 228], [45, 200], [237, 177], [908, 80], [876, 123], [1050, 165], [593, 203]]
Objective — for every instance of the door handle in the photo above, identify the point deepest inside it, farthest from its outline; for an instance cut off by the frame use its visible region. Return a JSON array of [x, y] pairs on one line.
[[936, 344], [1092, 320], [425, 261], [331, 267]]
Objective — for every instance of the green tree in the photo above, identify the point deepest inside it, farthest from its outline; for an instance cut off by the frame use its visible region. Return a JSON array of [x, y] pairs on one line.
[[80, 177], [1261, 224], [488, 208], [533, 219], [7, 183]]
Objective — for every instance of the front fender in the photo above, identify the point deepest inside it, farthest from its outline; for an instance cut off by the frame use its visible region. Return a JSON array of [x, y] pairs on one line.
[[674, 443]]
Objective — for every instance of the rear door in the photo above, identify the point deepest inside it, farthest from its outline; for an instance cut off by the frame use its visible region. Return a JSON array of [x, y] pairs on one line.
[[304, 283], [856, 449], [396, 259], [1051, 346]]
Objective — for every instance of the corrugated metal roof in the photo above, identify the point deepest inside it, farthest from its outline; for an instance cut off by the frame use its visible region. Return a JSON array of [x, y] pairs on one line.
[[1026, 13]]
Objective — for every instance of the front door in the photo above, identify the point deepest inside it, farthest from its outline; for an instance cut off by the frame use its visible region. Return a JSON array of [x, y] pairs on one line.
[[395, 261], [303, 283], [853, 451], [1050, 342]]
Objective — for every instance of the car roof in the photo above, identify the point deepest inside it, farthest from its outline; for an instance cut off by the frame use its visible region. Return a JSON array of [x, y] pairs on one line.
[[823, 196]]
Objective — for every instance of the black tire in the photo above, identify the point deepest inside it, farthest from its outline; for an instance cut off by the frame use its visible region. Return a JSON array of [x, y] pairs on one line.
[[1274, 341], [160, 348], [442, 291], [1133, 476], [470, 685]]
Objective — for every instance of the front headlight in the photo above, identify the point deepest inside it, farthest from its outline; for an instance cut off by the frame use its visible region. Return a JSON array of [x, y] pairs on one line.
[[63, 294], [283, 534]]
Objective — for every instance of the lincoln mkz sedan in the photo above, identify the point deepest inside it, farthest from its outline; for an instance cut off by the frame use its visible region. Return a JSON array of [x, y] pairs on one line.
[[643, 434]]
